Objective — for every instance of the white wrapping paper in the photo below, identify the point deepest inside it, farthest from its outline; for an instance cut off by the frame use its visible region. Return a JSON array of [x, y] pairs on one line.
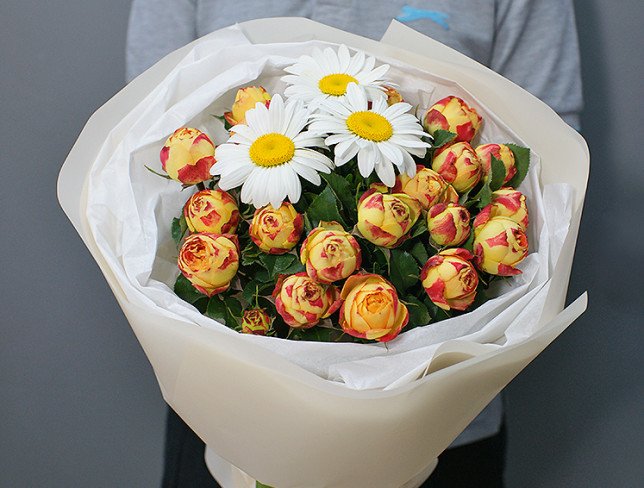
[[215, 377]]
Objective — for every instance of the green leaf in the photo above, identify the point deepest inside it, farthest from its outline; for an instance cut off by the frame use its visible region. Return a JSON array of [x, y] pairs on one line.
[[521, 162], [253, 288], [418, 313], [403, 270], [251, 254], [281, 264], [184, 290], [178, 229], [217, 310], [317, 334], [469, 243], [484, 196], [442, 137], [234, 311], [261, 485], [419, 228], [343, 192], [325, 207], [419, 251], [498, 174]]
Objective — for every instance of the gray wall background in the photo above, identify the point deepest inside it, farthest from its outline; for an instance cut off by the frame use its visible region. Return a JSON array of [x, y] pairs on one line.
[[79, 403]]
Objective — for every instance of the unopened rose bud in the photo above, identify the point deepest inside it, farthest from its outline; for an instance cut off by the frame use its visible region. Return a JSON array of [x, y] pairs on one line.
[[330, 253], [256, 321], [209, 261], [499, 245], [510, 203], [427, 186], [213, 211], [454, 115], [303, 302], [393, 95], [246, 99], [459, 165], [450, 280], [501, 152], [276, 231], [448, 224], [187, 156]]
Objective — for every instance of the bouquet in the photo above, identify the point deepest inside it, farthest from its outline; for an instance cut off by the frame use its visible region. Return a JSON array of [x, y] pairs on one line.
[[339, 199], [345, 389]]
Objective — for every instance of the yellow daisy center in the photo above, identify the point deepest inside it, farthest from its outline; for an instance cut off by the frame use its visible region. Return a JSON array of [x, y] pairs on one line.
[[370, 125], [272, 150], [336, 84]]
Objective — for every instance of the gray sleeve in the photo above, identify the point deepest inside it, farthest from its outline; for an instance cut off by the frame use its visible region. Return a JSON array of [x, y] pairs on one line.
[[536, 46], [156, 28]]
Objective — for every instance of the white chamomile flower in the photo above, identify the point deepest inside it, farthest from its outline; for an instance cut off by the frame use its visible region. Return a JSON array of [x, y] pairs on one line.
[[326, 74], [268, 153], [381, 136]]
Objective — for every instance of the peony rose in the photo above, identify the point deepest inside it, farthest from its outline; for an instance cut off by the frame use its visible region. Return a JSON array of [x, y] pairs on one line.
[[393, 95], [499, 245], [510, 203], [501, 152], [427, 186], [459, 165], [303, 302], [209, 261], [213, 211], [187, 156], [371, 308], [276, 231], [245, 99], [450, 280], [454, 115], [256, 321], [448, 224], [386, 219], [330, 253]]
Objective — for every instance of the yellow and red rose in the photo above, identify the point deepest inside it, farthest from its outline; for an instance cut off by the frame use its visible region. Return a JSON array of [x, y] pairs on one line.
[[213, 211], [371, 308], [330, 253], [459, 165], [448, 224], [303, 302], [510, 203], [450, 280], [454, 115], [276, 231], [499, 244], [426, 186], [245, 99], [187, 156], [386, 219], [501, 152], [209, 261], [393, 95], [256, 321]]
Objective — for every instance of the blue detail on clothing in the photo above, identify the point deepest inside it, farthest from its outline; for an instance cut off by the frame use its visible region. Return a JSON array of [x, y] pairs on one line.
[[409, 14]]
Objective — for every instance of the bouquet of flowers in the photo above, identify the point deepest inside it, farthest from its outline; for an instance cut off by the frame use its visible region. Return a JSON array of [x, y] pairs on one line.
[[368, 232], [337, 199]]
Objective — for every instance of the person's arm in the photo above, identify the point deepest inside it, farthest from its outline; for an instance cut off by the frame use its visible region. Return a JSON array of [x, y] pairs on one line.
[[156, 28], [536, 46]]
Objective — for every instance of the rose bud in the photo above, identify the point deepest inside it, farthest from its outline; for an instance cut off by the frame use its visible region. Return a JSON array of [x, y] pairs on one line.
[[510, 203], [427, 186], [187, 156], [303, 302], [454, 115], [386, 219], [371, 308], [499, 245], [500, 152], [450, 280], [448, 224], [213, 211], [459, 165], [393, 95], [246, 99], [276, 231], [256, 321], [209, 261], [330, 253]]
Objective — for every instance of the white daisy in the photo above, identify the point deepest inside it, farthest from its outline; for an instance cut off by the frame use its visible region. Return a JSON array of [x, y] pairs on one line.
[[381, 136], [326, 74], [266, 155]]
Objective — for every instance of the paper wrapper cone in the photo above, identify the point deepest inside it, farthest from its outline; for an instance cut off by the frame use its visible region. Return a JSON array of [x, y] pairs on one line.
[[262, 414]]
